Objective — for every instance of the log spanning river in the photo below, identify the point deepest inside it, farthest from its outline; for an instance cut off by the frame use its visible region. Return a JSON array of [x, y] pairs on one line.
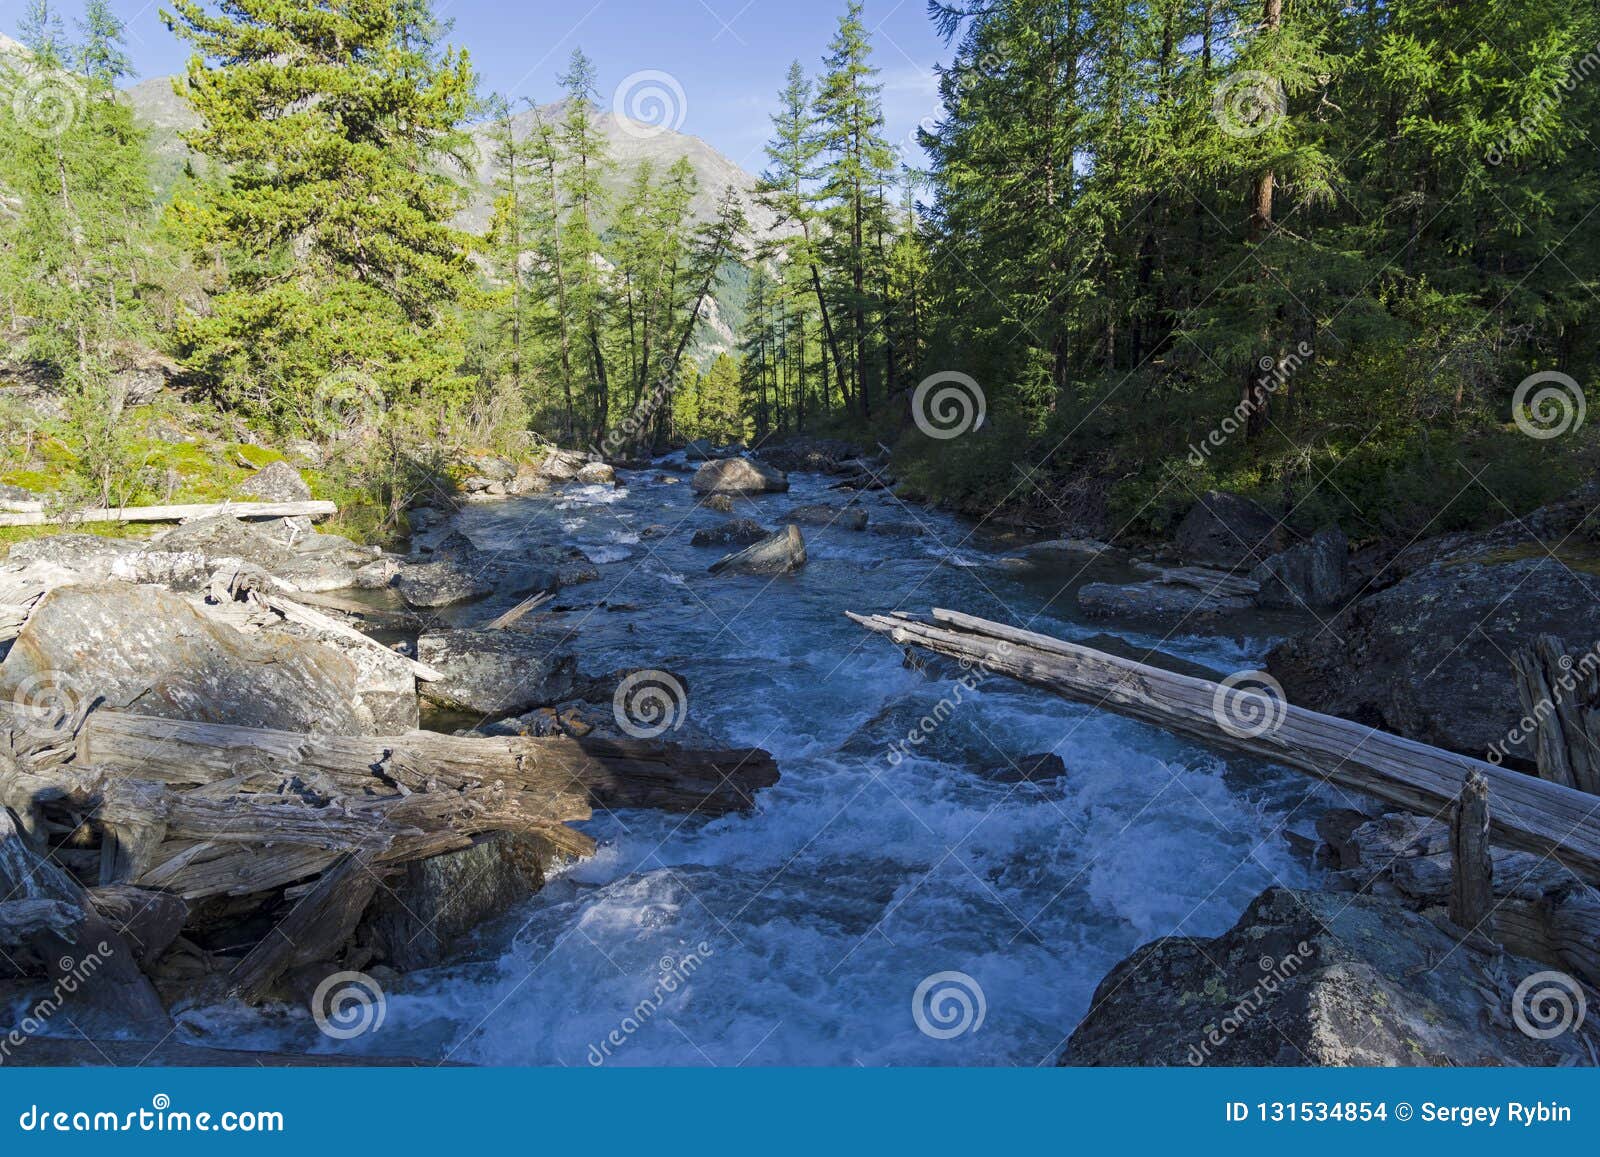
[[897, 898]]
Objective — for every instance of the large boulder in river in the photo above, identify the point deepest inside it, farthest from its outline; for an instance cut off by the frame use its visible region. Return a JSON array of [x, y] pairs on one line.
[[426, 585], [738, 476], [562, 465], [776, 554], [1307, 576], [496, 672], [1314, 978], [151, 651], [597, 474], [1427, 658], [1227, 530]]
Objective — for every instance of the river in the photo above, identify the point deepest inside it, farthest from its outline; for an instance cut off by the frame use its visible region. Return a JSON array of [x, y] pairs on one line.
[[799, 934]]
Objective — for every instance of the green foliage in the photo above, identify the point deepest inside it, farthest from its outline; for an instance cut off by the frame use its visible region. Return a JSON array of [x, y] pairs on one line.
[[336, 125]]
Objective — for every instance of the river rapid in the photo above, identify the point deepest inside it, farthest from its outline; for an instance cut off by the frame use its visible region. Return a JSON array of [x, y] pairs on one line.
[[799, 934]]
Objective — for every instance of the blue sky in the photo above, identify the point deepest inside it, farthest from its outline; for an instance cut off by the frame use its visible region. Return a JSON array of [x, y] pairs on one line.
[[728, 56]]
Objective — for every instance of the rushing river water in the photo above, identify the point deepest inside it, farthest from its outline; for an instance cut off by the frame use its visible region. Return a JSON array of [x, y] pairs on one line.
[[798, 934]]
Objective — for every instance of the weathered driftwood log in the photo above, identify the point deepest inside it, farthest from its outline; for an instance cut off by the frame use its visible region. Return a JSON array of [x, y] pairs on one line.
[[38, 514], [315, 929], [1472, 869], [609, 773], [1203, 578], [501, 622], [88, 962], [1530, 814], [1561, 696], [244, 586]]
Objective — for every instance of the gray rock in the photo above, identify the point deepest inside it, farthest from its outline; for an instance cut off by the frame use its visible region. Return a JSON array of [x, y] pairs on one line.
[[597, 474], [222, 536], [384, 683], [496, 672], [9, 493], [151, 651], [275, 482], [1312, 575], [1426, 658], [721, 503], [777, 554], [1312, 978], [87, 554], [562, 465], [425, 916], [440, 584], [734, 532], [1226, 530], [738, 476], [700, 450], [1165, 602], [836, 517]]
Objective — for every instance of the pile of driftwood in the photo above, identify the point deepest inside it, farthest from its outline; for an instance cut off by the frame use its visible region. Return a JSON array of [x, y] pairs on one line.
[[139, 833], [1484, 803]]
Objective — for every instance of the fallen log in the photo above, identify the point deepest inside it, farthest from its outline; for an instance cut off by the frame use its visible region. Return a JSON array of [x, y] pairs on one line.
[[501, 622], [39, 514], [1530, 814], [609, 773], [315, 929], [1201, 578], [88, 960]]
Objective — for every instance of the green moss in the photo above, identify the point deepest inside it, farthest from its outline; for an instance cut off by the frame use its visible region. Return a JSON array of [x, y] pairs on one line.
[[257, 456], [1576, 558]]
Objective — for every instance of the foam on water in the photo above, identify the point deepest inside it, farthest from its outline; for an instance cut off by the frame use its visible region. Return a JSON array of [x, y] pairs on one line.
[[875, 862]]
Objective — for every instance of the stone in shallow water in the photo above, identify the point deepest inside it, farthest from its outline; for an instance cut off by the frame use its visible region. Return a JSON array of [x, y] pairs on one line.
[[738, 476], [777, 554], [737, 531]]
